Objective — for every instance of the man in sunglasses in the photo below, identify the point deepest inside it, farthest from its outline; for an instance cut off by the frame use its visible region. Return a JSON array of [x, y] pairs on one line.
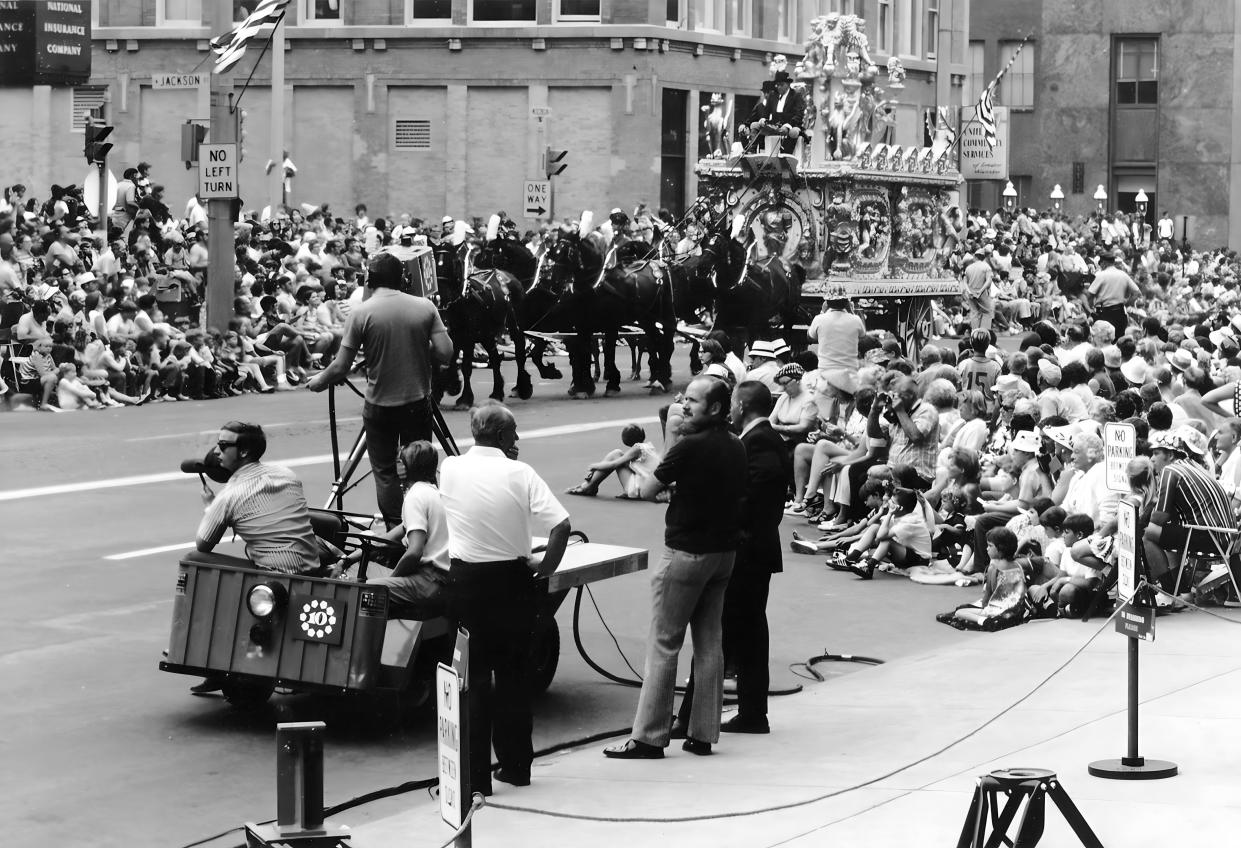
[[263, 504]]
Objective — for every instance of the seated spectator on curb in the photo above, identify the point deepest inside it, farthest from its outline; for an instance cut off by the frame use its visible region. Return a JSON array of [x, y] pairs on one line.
[[633, 465]]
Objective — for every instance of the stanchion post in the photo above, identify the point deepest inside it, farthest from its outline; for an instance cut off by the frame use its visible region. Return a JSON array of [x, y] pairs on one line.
[[1135, 619], [299, 793], [452, 707]]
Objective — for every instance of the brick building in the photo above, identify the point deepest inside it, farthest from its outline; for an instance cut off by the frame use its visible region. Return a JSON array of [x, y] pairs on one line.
[[1133, 95], [432, 106]]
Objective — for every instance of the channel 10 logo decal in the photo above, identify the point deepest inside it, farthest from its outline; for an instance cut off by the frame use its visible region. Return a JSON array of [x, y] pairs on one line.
[[319, 620]]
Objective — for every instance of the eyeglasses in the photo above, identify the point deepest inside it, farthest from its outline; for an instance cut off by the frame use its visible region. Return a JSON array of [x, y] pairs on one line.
[[223, 446]]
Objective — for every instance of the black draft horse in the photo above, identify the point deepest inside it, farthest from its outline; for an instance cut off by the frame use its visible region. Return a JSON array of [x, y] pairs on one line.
[[590, 299], [475, 312], [751, 296]]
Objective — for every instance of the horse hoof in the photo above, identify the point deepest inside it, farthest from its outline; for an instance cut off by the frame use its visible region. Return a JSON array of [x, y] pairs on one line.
[[611, 392], [522, 392], [461, 406], [659, 389], [498, 394], [635, 376]]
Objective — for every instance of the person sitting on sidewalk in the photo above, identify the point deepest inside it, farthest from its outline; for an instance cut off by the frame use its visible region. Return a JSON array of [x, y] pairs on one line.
[[902, 538], [37, 375], [633, 465], [871, 494]]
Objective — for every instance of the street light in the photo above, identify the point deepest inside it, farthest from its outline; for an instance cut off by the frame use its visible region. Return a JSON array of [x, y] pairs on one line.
[[1142, 200], [1010, 196], [1057, 195], [1100, 196]]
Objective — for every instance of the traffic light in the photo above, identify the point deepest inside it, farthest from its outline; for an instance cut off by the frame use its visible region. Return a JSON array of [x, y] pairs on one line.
[[239, 116], [192, 135], [552, 162], [94, 147]]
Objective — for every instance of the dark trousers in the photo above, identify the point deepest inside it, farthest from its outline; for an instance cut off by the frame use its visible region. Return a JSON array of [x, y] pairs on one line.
[[746, 642], [1114, 315], [496, 603], [986, 522], [388, 429]]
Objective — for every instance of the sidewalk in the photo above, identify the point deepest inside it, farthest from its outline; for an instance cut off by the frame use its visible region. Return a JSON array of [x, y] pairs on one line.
[[870, 723]]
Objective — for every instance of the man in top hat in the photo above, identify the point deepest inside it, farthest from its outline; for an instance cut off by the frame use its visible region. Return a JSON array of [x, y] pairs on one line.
[[781, 112]]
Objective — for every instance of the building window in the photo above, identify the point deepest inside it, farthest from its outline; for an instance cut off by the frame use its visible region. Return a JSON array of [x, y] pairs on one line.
[[410, 134], [674, 138], [577, 10], [742, 13], [976, 78], [883, 28], [907, 29], [321, 11], [502, 11], [179, 13], [1017, 84], [930, 28], [428, 12], [672, 12], [86, 98], [786, 21], [711, 15], [1137, 71]]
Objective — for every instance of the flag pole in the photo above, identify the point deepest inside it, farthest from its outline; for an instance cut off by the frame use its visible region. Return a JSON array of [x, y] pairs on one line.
[[275, 177], [991, 86]]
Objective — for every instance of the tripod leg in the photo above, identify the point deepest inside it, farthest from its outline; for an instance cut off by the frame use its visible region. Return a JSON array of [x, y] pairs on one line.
[[975, 821], [1030, 831], [1002, 822], [351, 464], [1073, 816]]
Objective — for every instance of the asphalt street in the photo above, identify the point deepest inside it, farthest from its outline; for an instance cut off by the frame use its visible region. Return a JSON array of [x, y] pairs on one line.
[[100, 747]]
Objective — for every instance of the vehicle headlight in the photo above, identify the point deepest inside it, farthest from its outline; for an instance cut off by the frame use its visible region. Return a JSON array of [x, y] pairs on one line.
[[264, 599]]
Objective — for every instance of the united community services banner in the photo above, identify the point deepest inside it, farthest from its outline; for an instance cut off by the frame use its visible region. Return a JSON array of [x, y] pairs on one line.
[[979, 160], [44, 42]]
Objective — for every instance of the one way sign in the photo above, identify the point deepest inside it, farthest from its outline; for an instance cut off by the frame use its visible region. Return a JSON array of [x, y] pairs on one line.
[[537, 196]]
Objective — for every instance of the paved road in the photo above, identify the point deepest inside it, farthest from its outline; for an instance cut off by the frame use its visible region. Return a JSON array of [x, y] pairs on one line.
[[99, 746]]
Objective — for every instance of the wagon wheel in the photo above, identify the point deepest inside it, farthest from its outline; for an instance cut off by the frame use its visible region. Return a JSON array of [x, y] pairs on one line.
[[246, 694], [544, 655]]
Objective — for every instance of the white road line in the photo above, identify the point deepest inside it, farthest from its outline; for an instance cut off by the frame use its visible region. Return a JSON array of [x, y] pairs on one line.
[[265, 427], [162, 549]]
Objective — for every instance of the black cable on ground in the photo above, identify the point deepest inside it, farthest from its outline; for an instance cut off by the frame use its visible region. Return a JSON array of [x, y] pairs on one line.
[[812, 674]]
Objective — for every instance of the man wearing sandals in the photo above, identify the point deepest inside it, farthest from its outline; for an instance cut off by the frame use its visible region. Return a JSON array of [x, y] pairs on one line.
[[702, 531]]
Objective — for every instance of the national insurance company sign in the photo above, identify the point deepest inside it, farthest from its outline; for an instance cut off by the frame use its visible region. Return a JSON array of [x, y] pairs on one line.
[[44, 42]]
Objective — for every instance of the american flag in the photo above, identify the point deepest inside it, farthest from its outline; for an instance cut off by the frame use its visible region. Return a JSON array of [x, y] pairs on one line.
[[984, 113], [230, 46]]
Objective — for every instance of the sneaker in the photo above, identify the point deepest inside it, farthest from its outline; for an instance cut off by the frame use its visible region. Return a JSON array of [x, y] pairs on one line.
[[796, 509], [801, 546]]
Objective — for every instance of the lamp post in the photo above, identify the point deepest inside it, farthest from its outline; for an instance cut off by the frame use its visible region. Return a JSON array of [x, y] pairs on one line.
[[1010, 196], [1142, 201], [1057, 196], [1100, 196]]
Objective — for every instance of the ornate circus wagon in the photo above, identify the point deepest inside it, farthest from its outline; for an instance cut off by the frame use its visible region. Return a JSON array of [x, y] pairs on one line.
[[853, 209]]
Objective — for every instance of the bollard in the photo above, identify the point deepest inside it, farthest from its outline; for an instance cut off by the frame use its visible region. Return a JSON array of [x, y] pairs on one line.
[[299, 793]]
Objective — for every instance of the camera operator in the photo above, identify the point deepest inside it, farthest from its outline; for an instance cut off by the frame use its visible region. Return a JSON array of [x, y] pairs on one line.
[[910, 428]]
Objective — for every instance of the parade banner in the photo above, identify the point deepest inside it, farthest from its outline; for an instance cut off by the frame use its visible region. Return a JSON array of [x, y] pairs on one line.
[[979, 159]]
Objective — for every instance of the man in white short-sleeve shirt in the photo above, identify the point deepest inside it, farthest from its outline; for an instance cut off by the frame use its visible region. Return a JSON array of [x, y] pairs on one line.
[[493, 504]]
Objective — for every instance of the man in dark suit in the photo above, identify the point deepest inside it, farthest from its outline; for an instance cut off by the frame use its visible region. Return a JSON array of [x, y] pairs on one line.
[[768, 470], [782, 112]]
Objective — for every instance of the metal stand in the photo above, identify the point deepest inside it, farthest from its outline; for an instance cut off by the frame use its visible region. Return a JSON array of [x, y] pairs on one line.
[[1132, 766], [299, 793], [1023, 784]]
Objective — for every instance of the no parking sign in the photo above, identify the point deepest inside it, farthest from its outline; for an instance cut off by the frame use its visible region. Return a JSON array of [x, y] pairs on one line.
[[1120, 444]]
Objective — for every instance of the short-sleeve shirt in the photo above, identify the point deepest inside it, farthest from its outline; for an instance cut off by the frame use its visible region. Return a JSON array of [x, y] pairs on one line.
[[709, 470], [836, 332], [266, 507], [1186, 494], [493, 504], [979, 374], [1111, 287], [911, 531], [921, 453], [394, 330], [423, 510]]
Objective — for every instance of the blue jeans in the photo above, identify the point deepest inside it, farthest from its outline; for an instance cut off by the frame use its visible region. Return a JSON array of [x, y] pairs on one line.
[[686, 590], [388, 429]]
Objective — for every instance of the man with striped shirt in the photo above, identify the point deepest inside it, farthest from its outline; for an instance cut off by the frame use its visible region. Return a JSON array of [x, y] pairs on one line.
[[264, 504], [1185, 494]]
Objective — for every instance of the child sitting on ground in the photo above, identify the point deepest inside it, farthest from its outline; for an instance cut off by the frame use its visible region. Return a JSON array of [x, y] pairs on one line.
[[633, 465], [1075, 584], [871, 495], [1005, 591], [902, 538]]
